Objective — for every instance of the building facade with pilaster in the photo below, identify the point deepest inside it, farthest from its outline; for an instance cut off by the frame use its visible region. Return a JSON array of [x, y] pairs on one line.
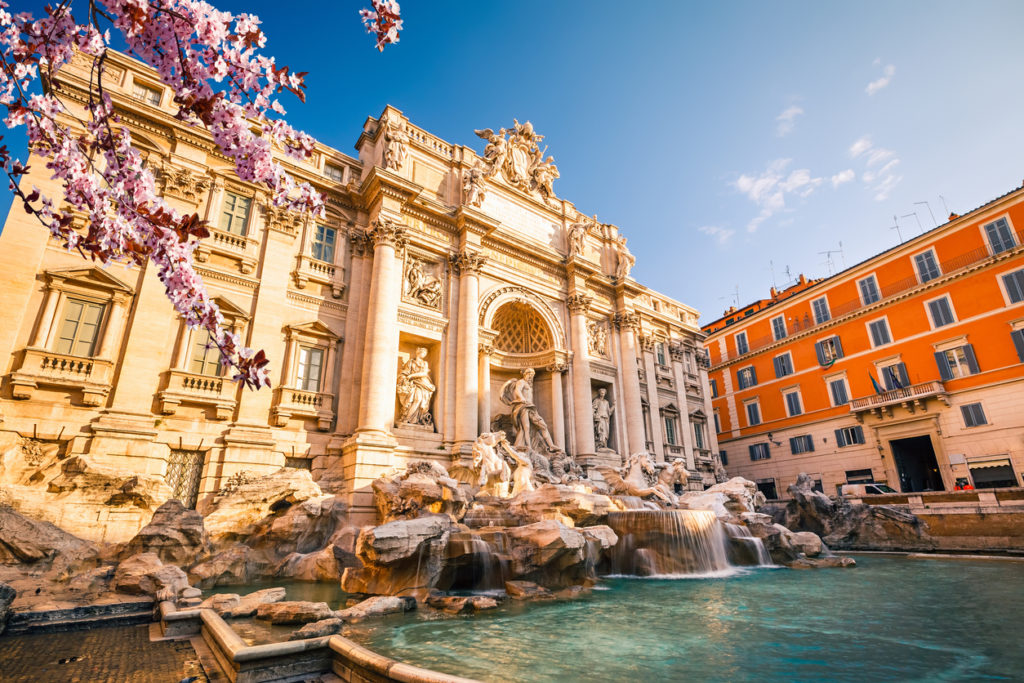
[[393, 325]]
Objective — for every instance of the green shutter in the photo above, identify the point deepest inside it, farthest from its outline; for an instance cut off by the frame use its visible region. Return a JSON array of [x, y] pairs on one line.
[[840, 438], [1018, 342]]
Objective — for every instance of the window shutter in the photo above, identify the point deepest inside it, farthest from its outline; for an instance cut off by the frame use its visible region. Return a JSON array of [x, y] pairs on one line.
[[940, 360], [840, 439], [819, 349], [1018, 342], [779, 369], [839, 346], [972, 361], [859, 433], [753, 376], [901, 374]]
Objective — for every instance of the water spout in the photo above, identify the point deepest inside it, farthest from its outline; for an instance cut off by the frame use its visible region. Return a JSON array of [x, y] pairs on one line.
[[668, 542], [752, 545]]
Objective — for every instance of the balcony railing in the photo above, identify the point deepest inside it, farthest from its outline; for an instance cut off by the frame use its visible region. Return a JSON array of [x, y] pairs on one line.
[[310, 269], [887, 291], [196, 389], [912, 393], [39, 367], [297, 403]]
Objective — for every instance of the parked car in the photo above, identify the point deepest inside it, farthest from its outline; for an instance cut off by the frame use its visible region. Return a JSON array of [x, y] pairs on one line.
[[866, 489]]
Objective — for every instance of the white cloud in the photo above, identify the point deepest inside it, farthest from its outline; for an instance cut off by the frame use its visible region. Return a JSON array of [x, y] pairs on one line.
[[769, 188], [787, 120], [887, 73], [881, 181], [843, 177], [719, 233]]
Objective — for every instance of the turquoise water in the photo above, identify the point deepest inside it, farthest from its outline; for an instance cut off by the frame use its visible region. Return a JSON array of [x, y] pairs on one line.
[[889, 619]]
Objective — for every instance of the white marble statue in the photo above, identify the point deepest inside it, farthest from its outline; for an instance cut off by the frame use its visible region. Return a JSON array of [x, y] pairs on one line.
[[603, 410], [473, 186], [518, 393], [494, 473], [395, 141], [494, 152], [637, 478], [522, 477], [421, 286], [577, 235], [624, 259], [415, 390]]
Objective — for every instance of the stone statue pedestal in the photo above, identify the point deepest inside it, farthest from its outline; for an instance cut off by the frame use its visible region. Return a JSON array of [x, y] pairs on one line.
[[364, 457], [605, 457]]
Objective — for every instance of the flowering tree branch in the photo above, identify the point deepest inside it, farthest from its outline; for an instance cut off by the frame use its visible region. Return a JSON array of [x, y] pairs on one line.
[[221, 81]]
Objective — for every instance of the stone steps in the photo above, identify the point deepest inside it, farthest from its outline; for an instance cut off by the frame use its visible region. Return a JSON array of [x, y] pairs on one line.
[[75, 618]]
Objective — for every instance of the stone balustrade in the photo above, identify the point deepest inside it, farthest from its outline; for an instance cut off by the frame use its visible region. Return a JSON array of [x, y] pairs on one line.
[[206, 390], [39, 367], [296, 403]]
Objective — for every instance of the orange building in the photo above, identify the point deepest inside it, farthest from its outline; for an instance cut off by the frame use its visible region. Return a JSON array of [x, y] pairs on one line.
[[906, 369]]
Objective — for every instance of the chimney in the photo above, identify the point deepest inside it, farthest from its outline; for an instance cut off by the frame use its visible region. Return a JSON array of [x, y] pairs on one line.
[[954, 216], [775, 292], [803, 279]]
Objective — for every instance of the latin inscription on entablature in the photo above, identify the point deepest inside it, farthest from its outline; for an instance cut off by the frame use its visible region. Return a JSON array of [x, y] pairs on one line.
[[520, 265], [520, 219], [422, 321], [420, 225], [606, 370]]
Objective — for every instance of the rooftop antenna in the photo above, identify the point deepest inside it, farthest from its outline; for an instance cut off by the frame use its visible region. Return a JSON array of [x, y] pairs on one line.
[[935, 222], [771, 267], [914, 214], [829, 263], [842, 254], [944, 204], [896, 226], [789, 277]]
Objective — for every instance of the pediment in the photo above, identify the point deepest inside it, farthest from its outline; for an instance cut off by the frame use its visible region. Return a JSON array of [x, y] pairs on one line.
[[316, 328], [699, 414], [95, 277], [230, 309]]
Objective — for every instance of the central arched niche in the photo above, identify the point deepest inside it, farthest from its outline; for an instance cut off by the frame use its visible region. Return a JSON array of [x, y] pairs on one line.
[[521, 329]]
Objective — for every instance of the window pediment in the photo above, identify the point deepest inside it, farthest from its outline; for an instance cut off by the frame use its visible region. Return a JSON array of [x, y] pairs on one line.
[[315, 328], [92, 278]]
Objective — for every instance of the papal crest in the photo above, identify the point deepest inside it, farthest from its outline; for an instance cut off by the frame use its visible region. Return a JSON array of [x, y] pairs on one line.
[[519, 159]]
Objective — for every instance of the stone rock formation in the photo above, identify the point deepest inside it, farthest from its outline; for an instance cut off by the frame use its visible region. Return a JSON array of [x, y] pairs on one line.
[[293, 612], [235, 512], [318, 629], [247, 605], [236, 565], [400, 555], [145, 574], [377, 606], [568, 504], [527, 590], [421, 487], [41, 545], [7, 595], [728, 499], [175, 534]]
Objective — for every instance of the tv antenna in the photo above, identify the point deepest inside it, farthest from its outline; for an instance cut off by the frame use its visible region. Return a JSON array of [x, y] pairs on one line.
[[771, 267], [896, 226], [830, 264], [914, 214], [944, 204], [935, 223]]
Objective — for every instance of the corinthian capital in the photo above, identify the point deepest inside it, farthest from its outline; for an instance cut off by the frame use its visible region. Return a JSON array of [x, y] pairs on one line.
[[467, 261], [579, 303], [385, 232], [627, 321]]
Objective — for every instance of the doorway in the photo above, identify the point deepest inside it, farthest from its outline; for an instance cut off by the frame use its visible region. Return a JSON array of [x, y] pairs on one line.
[[916, 465]]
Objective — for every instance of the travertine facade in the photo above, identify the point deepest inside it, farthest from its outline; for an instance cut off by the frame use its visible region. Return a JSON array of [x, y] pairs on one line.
[[393, 325]]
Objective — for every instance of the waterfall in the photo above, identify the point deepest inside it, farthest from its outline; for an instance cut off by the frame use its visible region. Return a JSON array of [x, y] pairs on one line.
[[752, 546], [668, 542]]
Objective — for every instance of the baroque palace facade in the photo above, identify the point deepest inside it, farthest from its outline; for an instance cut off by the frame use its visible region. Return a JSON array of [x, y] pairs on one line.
[[394, 325], [906, 369]]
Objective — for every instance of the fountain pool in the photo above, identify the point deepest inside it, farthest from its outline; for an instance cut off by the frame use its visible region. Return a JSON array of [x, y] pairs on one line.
[[890, 619]]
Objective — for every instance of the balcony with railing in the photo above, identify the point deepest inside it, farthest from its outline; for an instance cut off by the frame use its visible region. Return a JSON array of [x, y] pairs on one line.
[[204, 390], [241, 249], [92, 376], [310, 269], [962, 262], [911, 397], [296, 403]]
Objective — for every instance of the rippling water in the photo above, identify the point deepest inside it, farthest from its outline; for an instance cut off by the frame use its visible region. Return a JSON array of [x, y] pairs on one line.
[[889, 619]]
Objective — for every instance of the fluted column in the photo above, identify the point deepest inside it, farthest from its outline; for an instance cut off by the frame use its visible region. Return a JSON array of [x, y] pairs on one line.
[[557, 404], [351, 377], [484, 394], [628, 324], [380, 364], [583, 420], [467, 395]]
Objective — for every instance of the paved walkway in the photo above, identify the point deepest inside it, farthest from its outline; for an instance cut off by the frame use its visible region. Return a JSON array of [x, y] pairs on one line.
[[119, 654]]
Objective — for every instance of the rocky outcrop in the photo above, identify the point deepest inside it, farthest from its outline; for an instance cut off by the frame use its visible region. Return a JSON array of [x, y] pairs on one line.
[[236, 511], [422, 487], [378, 606], [319, 629], [527, 590], [461, 604], [293, 612], [145, 574], [847, 526], [175, 534], [727, 500], [247, 605], [399, 556], [573, 506], [222, 603], [237, 565], [41, 545], [7, 595], [549, 553]]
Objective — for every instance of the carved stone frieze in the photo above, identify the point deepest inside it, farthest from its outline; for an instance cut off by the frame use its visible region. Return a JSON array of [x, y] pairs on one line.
[[420, 285], [597, 338], [181, 183]]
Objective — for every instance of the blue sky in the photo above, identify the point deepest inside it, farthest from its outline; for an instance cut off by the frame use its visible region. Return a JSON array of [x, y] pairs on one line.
[[721, 137]]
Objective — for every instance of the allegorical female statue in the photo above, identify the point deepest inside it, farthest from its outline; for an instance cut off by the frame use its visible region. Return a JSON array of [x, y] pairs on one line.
[[415, 390]]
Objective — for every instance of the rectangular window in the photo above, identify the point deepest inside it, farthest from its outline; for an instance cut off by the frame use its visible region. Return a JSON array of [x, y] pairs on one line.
[[848, 436], [324, 239], [753, 414], [927, 268], [821, 312], [783, 365], [670, 430], [828, 350], [759, 451], [895, 376], [333, 172], [714, 388], [698, 435], [746, 377], [1000, 238], [311, 359], [879, 332], [718, 424], [205, 355], [974, 416], [859, 477], [1014, 283], [80, 328], [1018, 343], [869, 293], [659, 351], [741, 343], [723, 457], [837, 388], [957, 362], [793, 407], [941, 312], [779, 327], [146, 94], [767, 487], [234, 218], [801, 444]]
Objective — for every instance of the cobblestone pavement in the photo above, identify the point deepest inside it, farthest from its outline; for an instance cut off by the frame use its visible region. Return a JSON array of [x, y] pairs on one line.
[[119, 654]]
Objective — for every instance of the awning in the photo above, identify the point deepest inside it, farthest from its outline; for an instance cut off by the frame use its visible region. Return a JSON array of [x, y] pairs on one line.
[[990, 462]]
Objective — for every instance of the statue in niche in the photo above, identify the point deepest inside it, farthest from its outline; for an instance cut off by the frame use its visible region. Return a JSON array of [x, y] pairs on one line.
[[415, 391], [518, 393], [577, 238], [597, 338], [473, 186], [395, 150], [603, 410], [624, 259], [420, 286]]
